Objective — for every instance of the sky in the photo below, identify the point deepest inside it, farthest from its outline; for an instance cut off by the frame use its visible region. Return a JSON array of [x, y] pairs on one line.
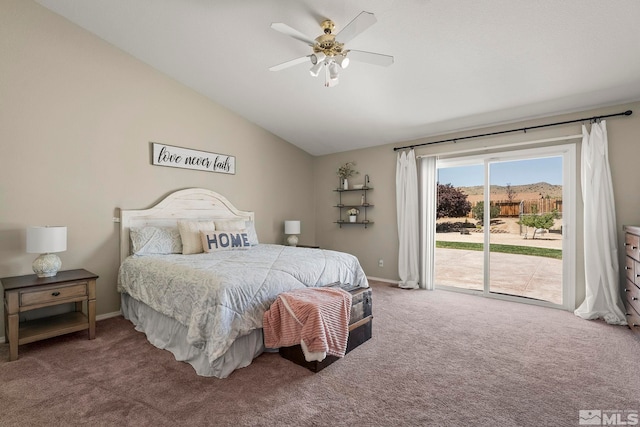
[[518, 172]]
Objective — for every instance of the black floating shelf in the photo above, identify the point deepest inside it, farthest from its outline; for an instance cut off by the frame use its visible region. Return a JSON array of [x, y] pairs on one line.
[[340, 190]]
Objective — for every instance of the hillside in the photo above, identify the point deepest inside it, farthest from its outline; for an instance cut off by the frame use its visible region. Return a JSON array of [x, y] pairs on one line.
[[537, 190]]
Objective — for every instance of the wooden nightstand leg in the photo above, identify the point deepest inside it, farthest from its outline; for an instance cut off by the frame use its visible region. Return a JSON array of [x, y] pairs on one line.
[[91, 308], [91, 314], [13, 336]]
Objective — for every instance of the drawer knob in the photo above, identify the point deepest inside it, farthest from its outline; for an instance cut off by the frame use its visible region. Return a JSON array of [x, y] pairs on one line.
[[626, 244], [626, 267], [634, 247], [55, 294], [634, 298], [626, 290]]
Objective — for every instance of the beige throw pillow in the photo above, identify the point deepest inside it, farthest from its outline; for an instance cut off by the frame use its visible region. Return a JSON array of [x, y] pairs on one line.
[[190, 235]]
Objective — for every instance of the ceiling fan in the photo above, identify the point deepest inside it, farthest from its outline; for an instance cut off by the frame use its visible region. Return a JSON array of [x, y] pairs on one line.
[[328, 49]]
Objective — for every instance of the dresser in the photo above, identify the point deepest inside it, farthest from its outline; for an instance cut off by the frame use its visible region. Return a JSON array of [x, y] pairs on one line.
[[632, 280]]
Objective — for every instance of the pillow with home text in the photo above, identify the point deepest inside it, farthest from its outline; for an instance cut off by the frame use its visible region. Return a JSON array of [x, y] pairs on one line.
[[224, 240]]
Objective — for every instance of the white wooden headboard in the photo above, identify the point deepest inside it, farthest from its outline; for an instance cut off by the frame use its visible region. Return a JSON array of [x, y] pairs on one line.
[[192, 204]]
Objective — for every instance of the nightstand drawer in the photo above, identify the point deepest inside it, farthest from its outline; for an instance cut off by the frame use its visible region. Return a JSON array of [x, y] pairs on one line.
[[52, 294]]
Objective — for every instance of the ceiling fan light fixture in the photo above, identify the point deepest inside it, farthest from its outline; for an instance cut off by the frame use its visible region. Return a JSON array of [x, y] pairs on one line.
[[342, 61], [317, 57], [328, 50], [315, 70], [333, 70]]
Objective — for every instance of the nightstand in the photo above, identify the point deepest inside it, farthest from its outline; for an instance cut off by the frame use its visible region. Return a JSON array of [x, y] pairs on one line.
[[24, 293]]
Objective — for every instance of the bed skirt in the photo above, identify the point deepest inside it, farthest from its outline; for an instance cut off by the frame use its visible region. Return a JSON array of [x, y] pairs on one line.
[[166, 333]]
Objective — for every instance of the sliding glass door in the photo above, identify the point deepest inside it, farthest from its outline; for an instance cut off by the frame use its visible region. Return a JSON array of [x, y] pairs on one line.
[[504, 223], [459, 259]]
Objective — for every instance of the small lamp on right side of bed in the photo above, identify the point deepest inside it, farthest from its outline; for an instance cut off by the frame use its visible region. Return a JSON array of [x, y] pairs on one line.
[[292, 228]]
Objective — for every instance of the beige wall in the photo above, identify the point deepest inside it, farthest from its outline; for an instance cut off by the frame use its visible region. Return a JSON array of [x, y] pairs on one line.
[[380, 241], [76, 118]]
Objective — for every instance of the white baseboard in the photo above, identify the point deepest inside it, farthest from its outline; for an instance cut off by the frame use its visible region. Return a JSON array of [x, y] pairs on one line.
[[380, 279], [108, 315], [98, 317]]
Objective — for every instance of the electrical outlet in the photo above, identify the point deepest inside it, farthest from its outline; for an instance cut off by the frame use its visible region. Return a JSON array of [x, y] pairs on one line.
[[380, 263]]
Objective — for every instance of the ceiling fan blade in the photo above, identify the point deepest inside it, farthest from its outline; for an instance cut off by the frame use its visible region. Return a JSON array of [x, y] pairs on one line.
[[355, 27], [292, 32], [289, 63], [370, 58]]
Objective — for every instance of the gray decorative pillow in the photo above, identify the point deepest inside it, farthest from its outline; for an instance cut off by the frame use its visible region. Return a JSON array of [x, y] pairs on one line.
[[251, 232], [155, 240]]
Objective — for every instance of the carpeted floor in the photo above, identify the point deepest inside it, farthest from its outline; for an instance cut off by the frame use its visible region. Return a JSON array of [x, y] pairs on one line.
[[436, 359]]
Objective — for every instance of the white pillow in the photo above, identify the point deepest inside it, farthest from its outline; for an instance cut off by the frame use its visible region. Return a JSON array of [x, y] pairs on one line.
[[224, 240], [190, 235], [155, 240], [239, 225]]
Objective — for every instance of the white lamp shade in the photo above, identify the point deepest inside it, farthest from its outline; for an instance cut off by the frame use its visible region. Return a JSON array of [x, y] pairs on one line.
[[43, 240], [333, 70], [315, 70], [342, 61], [317, 57], [292, 227]]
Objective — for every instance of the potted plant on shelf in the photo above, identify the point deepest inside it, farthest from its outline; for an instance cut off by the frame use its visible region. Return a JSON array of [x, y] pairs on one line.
[[352, 214], [346, 171]]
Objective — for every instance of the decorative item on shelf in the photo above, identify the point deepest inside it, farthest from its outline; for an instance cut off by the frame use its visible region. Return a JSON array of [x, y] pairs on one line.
[[46, 241], [292, 228], [346, 171], [353, 212]]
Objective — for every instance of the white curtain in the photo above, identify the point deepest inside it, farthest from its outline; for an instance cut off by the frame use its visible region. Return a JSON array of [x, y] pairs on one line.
[[408, 225], [428, 197], [602, 297]]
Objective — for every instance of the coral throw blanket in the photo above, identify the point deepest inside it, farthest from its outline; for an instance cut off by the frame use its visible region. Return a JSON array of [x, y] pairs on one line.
[[315, 318]]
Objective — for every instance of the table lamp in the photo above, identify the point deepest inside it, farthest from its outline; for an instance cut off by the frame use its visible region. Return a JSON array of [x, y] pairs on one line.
[[292, 228], [46, 241]]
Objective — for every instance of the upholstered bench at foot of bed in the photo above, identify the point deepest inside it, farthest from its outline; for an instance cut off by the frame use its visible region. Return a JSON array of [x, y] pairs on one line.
[[360, 331]]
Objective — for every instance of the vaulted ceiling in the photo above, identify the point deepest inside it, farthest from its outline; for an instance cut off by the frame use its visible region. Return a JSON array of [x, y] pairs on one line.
[[459, 64]]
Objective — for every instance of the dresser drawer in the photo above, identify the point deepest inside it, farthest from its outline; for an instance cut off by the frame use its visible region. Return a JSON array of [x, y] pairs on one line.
[[53, 294], [629, 268], [633, 296], [633, 319], [631, 244]]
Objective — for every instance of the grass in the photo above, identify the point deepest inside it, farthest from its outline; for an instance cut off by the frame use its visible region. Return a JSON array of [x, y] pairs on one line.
[[507, 249]]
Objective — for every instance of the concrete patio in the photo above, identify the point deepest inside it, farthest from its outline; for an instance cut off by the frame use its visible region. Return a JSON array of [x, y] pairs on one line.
[[521, 275]]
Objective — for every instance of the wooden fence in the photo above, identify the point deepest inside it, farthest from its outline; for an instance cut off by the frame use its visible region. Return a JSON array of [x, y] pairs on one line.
[[515, 209]]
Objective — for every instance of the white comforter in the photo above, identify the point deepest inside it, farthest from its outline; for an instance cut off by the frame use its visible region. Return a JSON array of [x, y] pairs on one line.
[[221, 296]]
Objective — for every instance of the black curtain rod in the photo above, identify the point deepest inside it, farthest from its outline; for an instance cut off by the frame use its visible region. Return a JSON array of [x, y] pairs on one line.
[[525, 129]]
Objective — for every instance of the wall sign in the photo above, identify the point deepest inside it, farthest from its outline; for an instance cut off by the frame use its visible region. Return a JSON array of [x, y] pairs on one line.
[[185, 158]]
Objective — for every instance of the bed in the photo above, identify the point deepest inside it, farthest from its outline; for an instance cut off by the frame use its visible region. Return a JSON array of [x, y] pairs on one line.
[[206, 308]]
